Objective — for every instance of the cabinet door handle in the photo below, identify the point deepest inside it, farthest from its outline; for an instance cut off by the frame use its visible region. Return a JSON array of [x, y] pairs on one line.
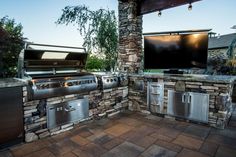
[[183, 97], [70, 109], [189, 99]]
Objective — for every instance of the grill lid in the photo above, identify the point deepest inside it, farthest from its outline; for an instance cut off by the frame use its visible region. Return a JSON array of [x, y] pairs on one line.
[[51, 59], [44, 56]]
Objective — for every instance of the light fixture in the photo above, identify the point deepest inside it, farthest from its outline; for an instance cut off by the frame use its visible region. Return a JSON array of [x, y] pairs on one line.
[[159, 13], [190, 7]]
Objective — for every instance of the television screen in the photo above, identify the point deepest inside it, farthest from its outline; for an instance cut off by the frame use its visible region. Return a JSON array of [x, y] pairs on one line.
[[179, 51]]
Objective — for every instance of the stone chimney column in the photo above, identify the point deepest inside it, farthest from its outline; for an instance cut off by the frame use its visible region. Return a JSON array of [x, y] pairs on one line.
[[130, 37]]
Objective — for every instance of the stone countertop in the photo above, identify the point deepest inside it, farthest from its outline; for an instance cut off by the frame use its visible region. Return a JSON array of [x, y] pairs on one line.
[[11, 82], [189, 77]]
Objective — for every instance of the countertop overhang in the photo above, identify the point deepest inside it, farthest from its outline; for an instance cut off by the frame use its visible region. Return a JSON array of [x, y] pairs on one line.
[[11, 82], [189, 77]]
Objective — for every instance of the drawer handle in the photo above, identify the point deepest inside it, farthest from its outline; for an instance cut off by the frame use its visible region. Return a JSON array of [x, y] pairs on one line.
[[183, 98], [70, 110], [189, 99]]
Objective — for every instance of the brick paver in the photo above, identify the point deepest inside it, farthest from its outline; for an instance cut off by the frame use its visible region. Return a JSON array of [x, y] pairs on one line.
[[126, 149], [209, 148], [224, 151], [133, 135], [191, 153], [188, 142], [156, 150]]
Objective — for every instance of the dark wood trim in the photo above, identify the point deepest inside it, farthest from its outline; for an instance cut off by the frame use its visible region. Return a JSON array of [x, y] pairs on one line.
[[215, 48], [148, 6], [178, 32]]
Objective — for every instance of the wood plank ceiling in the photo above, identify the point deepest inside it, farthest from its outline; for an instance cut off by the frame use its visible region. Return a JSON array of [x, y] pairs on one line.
[[148, 6]]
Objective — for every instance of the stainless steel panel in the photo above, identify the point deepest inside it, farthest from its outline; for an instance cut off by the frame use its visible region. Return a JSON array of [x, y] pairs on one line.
[[109, 81], [63, 113], [11, 121], [52, 92], [199, 106], [45, 88], [177, 104]]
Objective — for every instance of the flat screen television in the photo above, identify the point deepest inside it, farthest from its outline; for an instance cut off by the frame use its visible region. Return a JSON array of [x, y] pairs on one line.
[[179, 51]]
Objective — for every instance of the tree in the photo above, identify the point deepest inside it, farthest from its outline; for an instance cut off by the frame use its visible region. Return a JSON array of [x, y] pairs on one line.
[[10, 46], [95, 63], [99, 29]]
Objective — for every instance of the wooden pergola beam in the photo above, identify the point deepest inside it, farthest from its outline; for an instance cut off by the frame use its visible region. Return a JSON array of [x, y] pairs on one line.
[[148, 6]]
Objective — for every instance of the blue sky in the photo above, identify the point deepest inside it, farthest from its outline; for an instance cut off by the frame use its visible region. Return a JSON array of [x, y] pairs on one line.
[[38, 18]]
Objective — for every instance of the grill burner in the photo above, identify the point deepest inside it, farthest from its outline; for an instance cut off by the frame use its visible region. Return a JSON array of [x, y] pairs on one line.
[[55, 71], [58, 86]]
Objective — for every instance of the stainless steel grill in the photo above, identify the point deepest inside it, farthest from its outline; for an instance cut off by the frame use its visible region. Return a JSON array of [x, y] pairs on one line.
[[54, 70]]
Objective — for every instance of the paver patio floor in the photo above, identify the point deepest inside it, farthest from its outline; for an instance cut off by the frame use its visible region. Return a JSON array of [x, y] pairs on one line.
[[134, 135]]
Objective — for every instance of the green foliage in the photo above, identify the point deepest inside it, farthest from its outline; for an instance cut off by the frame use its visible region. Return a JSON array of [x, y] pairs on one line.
[[10, 47], [99, 29], [95, 64]]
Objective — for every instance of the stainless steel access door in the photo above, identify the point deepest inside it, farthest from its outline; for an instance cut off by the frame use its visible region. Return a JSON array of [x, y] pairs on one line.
[[189, 105], [63, 113], [178, 104], [199, 106]]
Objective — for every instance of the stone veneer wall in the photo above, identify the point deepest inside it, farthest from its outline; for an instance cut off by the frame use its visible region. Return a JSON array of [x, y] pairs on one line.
[[219, 113], [130, 37], [102, 103], [106, 103]]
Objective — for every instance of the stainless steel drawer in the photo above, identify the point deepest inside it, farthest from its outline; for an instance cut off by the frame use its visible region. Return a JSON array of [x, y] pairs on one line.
[[155, 96]]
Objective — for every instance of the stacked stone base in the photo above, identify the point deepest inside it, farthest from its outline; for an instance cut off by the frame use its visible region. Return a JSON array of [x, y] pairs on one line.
[[109, 102], [102, 103], [220, 103]]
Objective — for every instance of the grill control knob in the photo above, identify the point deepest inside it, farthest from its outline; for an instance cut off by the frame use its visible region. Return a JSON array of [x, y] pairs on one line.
[[69, 84], [41, 86], [111, 80], [108, 80]]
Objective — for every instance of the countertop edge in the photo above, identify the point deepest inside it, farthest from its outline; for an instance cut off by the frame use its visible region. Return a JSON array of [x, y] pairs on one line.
[[201, 78], [12, 82]]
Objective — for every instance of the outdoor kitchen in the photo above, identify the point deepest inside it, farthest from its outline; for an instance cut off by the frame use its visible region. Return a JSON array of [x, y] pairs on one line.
[[53, 98], [60, 95]]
